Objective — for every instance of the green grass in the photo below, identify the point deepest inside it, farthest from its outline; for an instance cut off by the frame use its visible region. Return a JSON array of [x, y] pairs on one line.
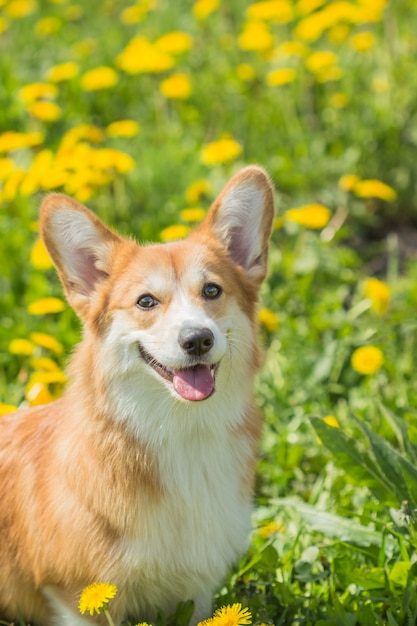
[[342, 492]]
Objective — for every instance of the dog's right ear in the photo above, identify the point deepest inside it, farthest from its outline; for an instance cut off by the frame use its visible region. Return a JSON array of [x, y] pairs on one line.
[[80, 245]]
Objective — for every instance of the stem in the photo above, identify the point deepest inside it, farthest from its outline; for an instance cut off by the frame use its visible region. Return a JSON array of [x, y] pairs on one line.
[[109, 617]]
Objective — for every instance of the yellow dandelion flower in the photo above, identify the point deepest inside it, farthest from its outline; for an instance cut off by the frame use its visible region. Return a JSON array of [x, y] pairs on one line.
[[17, 9], [73, 13], [6, 168], [193, 215], [330, 420], [55, 376], [321, 59], [7, 408], [220, 151], [43, 363], [280, 11], [290, 49], [123, 128], [375, 189], [271, 528], [39, 256], [245, 72], [256, 36], [378, 293], [141, 56], [177, 86], [308, 6], [99, 78], [232, 615], [174, 232], [47, 341], [310, 28], [46, 305], [95, 597], [136, 13], [45, 111], [3, 25], [21, 346], [34, 91], [203, 8], [348, 182], [206, 622], [62, 72], [362, 42], [84, 47], [367, 360], [37, 393], [327, 74], [338, 33], [269, 319], [12, 140], [197, 190], [11, 187], [281, 76], [107, 158], [176, 42], [314, 216], [48, 25]]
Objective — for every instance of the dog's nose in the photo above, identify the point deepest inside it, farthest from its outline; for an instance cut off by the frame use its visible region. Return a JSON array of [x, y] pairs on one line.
[[196, 341]]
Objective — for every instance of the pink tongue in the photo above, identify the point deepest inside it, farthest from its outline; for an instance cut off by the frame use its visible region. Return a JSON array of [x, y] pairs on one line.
[[194, 383]]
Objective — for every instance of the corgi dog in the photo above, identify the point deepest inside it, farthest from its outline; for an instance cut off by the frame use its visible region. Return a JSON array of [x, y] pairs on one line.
[[142, 474]]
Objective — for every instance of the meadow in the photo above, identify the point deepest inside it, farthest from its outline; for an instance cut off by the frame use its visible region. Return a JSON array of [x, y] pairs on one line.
[[143, 111]]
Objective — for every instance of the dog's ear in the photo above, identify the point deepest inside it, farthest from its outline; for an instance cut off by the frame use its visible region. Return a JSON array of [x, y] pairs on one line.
[[241, 218], [80, 245]]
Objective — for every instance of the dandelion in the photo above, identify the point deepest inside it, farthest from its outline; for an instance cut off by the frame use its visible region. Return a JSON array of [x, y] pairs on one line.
[[48, 26], [367, 360], [375, 189], [177, 86], [279, 11], [317, 61], [43, 363], [281, 76], [256, 36], [232, 615], [135, 13], [123, 128], [269, 319], [37, 393], [271, 528], [95, 597], [192, 215], [99, 78], [3, 25], [174, 232], [21, 346], [141, 56], [362, 42], [6, 168], [339, 100], [62, 72], [34, 91], [290, 49], [46, 305], [203, 8], [314, 216], [39, 256], [220, 151], [378, 293], [308, 6], [197, 190], [7, 408], [45, 111], [12, 140], [348, 182], [17, 9], [330, 420], [176, 42], [47, 341]]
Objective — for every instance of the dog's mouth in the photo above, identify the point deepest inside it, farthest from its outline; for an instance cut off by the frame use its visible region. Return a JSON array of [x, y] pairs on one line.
[[191, 383]]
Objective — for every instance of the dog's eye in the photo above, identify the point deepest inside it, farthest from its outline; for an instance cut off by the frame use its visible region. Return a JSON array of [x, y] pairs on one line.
[[212, 291], [146, 301]]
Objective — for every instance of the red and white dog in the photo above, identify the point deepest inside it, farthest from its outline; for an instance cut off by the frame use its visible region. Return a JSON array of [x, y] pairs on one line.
[[142, 474]]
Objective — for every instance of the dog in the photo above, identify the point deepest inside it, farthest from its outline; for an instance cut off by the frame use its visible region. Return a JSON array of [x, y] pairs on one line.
[[142, 474]]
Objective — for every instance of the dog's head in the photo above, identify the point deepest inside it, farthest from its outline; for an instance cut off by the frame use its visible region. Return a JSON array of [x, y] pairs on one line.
[[180, 314]]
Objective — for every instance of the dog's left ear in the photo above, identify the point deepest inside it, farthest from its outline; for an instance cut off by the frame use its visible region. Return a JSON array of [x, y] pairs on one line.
[[241, 218]]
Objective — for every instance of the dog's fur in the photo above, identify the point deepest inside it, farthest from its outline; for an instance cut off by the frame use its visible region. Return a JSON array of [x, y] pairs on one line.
[[142, 474]]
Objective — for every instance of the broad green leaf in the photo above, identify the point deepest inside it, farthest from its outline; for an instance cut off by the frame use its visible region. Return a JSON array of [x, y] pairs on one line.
[[357, 464], [369, 578], [333, 525], [399, 573]]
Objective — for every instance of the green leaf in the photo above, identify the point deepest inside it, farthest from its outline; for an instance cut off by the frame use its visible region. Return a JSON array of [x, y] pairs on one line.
[[369, 578], [399, 573], [357, 464], [333, 525]]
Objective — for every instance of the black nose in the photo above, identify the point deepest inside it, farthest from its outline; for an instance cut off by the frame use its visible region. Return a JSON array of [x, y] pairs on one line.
[[196, 341]]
